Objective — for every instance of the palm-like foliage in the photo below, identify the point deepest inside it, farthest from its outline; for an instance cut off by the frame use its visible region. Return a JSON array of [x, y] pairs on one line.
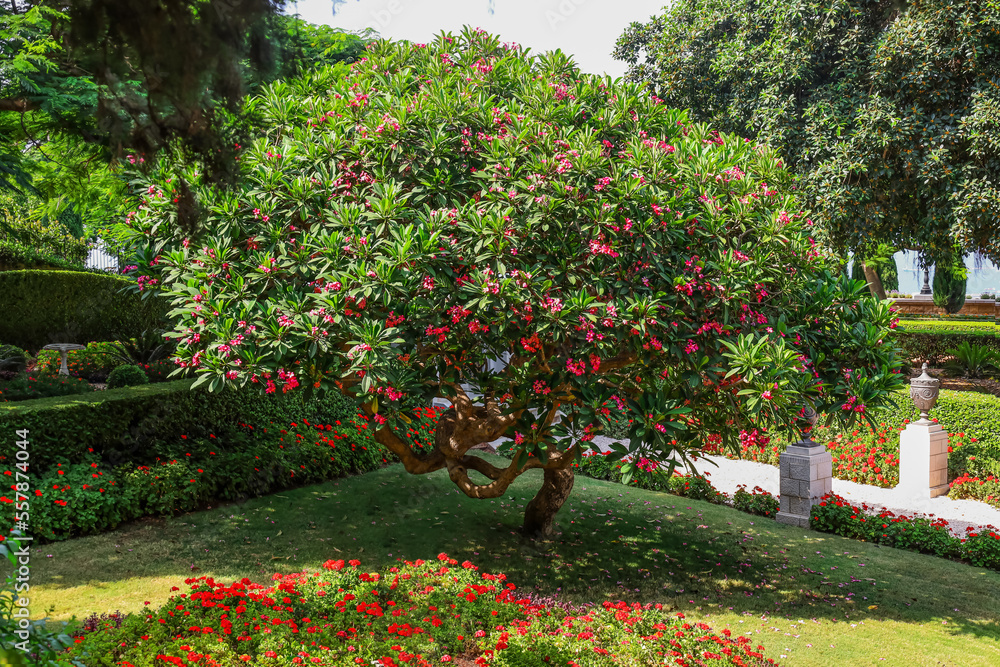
[[973, 361], [147, 347]]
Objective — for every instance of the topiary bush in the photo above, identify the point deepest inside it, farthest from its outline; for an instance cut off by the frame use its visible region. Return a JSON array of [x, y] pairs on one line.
[[126, 375], [949, 285], [42, 307], [460, 201]]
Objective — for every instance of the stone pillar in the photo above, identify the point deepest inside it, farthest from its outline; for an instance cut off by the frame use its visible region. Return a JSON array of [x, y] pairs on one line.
[[923, 460], [923, 445], [806, 476]]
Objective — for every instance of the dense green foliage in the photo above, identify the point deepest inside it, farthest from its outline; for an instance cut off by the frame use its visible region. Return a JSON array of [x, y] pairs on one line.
[[42, 307], [26, 242], [889, 111], [459, 201], [84, 82], [126, 375]]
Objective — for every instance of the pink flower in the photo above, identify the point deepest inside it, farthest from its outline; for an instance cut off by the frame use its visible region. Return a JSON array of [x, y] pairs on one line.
[[691, 347]]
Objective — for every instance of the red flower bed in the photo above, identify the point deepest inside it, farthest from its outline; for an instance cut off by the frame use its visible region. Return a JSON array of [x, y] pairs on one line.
[[926, 534], [417, 614]]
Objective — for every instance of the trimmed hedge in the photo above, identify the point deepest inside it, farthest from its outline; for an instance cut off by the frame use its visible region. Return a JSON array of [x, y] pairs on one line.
[[972, 413], [949, 326], [128, 424], [47, 306], [932, 347]]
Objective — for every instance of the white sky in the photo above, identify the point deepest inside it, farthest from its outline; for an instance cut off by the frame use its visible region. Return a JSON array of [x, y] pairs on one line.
[[585, 29]]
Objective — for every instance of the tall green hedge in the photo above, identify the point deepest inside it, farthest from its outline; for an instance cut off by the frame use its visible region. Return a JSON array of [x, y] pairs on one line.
[[44, 306], [132, 424], [931, 347]]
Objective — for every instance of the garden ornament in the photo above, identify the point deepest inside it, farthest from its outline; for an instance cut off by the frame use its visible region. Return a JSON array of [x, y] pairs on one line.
[[63, 349], [924, 393]]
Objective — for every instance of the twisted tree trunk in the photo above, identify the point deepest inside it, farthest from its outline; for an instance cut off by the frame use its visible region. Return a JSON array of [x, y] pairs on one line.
[[874, 282], [541, 511]]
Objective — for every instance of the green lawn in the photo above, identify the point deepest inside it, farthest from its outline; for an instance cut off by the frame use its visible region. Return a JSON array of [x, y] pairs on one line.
[[815, 599], [985, 326]]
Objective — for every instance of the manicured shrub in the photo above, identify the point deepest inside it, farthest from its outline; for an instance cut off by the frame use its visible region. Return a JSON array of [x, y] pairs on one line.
[[416, 613], [126, 375], [949, 285], [42, 307], [933, 346], [12, 358]]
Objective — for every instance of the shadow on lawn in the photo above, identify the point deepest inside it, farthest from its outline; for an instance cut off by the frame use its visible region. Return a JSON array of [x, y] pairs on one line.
[[615, 543]]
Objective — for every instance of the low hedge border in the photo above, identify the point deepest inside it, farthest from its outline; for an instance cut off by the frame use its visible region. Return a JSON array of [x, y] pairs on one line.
[[73, 499], [127, 424], [932, 347]]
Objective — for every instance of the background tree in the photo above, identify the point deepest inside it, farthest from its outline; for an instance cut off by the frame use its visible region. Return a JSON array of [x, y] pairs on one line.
[[889, 111], [883, 263], [84, 83], [459, 201]]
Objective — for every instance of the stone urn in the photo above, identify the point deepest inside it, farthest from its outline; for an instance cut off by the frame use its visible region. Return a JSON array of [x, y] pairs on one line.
[[924, 393], [809, 416]]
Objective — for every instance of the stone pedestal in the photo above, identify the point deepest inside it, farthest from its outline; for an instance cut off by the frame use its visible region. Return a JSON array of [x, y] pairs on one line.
[[806, 476], [923, 460]]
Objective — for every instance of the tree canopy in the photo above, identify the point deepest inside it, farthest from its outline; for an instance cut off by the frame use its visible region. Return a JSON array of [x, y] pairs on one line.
[[459, 201], [84, 83], [888, 110]]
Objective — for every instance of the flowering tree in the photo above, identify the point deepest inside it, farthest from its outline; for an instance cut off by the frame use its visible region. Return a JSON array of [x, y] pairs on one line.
[[460, 201]]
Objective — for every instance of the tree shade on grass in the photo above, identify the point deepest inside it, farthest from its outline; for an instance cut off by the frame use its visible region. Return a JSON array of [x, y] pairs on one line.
[[839, 601]]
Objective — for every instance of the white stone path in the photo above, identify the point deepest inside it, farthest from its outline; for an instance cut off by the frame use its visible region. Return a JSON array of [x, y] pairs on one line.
[[728, 475]]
